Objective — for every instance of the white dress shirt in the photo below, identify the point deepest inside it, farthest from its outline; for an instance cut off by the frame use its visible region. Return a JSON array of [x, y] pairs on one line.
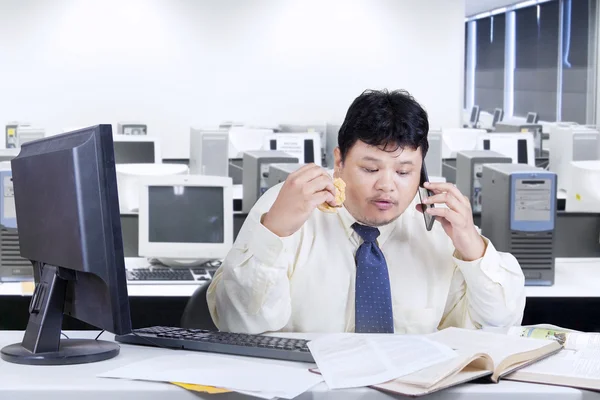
[[305, 282]]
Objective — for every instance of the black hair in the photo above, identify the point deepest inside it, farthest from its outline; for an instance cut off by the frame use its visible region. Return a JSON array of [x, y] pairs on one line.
[[390, 120]]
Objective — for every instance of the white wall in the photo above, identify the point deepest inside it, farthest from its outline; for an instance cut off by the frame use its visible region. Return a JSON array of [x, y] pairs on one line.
[[177, 63]]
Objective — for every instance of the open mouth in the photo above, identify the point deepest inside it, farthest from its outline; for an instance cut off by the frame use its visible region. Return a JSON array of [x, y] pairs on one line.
[[383, 204]]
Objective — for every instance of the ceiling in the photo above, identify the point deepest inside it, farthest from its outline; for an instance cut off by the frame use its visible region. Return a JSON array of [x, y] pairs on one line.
[[473, 7]]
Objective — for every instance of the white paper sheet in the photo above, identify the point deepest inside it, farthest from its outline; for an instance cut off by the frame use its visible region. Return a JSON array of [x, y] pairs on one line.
[[356, 360], [262, 378]]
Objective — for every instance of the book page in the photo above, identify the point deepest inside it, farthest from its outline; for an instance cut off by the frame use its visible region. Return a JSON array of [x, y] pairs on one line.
[[431, 376], [355, 360], [569, 363], [497, 346], [570, 340]]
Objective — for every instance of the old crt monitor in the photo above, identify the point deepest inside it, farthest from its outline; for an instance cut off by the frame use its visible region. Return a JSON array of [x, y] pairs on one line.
[[571, 143], [455, 140], [132, 128], [305, 146], [136, 149], [519, 216], [185, 220], [68, 217], [518, 146], [532, 118], [584, 193]]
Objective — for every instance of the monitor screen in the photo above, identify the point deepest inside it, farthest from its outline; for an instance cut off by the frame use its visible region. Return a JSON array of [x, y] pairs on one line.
[[474, 114], [134, 152], [185, 214], [497, 116]]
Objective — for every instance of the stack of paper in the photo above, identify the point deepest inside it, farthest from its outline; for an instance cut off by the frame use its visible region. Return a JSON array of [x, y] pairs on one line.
[[261, 378], [355, 360]]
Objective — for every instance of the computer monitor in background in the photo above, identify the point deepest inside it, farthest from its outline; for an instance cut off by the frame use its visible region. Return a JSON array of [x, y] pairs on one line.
[[584, 192], [242, 139], [185, 220], [474, 116], [13, 267], [518, 146], [459, 139], [132, 149], [27, 134], [8, 154], [532, 118], [129, 176], [498, 116], [310, 128], [68, 216], [305, 146]]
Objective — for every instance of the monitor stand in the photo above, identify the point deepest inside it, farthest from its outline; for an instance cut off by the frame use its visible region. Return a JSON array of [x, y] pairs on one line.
[[41, 343]]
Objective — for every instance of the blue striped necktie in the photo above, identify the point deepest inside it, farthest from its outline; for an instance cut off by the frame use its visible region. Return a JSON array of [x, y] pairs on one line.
[[373, 303]]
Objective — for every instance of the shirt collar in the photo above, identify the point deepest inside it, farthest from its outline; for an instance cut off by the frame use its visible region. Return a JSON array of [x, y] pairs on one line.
[[347, 220]]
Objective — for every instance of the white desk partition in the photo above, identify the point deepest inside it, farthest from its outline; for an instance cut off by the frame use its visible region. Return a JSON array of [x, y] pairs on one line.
[[575, 277]]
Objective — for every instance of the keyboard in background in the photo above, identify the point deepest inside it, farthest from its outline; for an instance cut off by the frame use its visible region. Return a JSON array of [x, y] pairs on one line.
[[158, 274], [220, 342]]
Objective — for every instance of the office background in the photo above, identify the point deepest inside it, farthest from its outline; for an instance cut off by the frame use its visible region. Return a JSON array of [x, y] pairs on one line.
[[176, 64]]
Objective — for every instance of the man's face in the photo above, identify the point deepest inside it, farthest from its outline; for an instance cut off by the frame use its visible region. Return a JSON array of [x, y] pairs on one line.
[[380, 184]]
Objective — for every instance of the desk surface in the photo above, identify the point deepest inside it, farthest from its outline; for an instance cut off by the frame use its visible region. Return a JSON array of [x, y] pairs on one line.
[[79, 382], [575, 277]]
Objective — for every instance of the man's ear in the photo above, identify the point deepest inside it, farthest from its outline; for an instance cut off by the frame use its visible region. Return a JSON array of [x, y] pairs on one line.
[[337, 162], [337, 159]]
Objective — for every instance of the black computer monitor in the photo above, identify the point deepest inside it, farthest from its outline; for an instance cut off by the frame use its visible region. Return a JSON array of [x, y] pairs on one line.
[[532, 118], [498, 115], [474, 115], [67, 208]]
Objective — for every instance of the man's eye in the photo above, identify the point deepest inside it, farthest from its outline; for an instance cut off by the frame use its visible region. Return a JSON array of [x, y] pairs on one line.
[[403, 173], [370, 170]]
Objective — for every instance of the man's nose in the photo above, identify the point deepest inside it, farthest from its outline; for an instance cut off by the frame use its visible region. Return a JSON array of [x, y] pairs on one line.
[[386, 181]]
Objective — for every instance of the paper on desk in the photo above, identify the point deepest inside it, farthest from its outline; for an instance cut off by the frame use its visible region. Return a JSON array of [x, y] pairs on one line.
[[263, 378], [355, 360]]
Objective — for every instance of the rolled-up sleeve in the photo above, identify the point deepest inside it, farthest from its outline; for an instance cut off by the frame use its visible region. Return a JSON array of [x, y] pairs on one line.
[[489, 291], [250, 292]]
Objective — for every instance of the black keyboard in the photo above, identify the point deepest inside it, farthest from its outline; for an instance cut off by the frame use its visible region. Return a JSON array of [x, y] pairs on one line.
[[220, 342]]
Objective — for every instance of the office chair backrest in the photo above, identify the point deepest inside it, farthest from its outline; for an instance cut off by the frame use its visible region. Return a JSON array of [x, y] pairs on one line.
[[196, 314]]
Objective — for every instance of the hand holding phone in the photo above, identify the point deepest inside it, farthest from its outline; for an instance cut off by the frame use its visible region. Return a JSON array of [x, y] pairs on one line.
[[423, 194]]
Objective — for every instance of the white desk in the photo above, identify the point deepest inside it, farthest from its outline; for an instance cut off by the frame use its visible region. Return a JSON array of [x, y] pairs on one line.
[[575, 277], [76, 382]]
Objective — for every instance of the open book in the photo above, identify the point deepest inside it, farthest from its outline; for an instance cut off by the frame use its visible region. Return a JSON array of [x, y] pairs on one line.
[[479, 354], [578, 365]]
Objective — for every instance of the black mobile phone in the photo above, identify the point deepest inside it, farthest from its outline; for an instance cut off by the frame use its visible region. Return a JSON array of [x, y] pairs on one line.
[[423, 194]]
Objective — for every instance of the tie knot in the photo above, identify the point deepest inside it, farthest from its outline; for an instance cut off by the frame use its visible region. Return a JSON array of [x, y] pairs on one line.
[[367, 233]]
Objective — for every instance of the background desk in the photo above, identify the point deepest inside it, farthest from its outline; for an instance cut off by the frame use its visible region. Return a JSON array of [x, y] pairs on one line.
[[20, 382], [573, 301]]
